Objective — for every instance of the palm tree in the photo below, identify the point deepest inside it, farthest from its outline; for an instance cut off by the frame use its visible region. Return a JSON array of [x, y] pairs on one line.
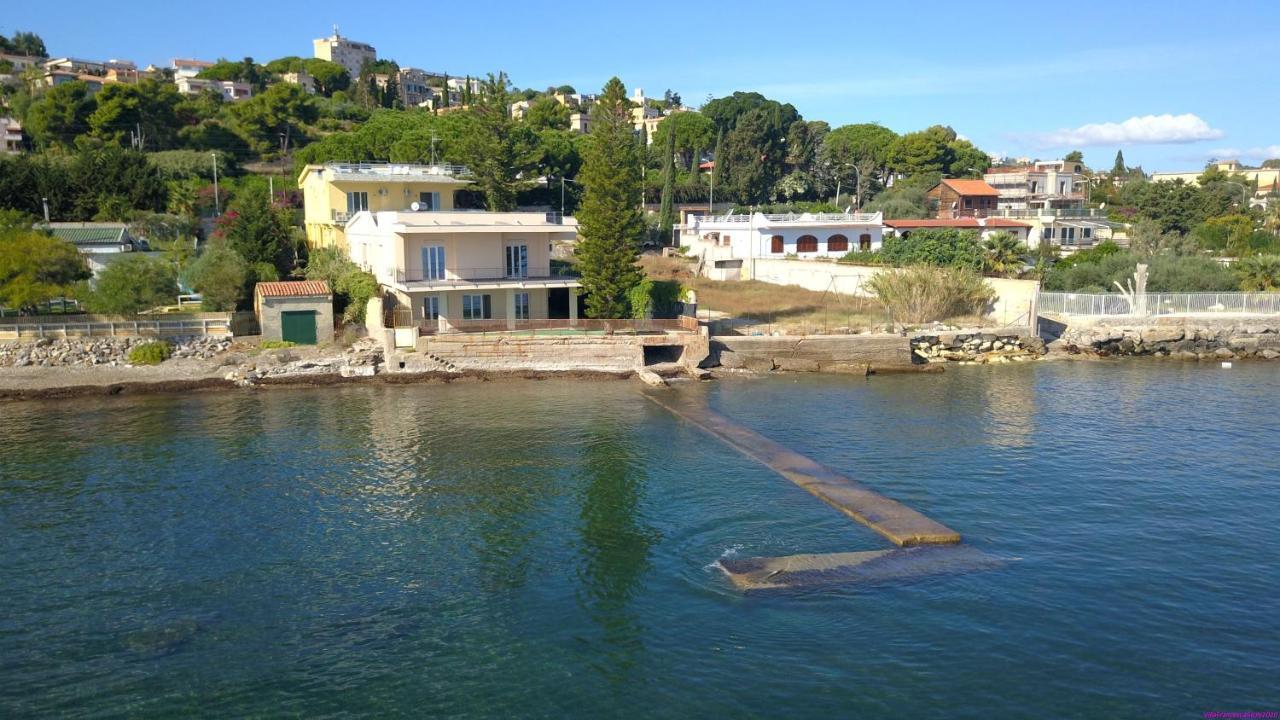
[[1003, 253], [1259, 272]]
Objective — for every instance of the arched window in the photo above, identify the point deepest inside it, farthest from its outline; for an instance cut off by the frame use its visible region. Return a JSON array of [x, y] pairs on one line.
[[775, 244], [806, 243], [864, 241], [837, 243]]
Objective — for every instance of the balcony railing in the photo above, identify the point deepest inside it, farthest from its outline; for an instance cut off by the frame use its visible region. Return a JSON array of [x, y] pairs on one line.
[[477, 276], [399, 169], [585, 325]]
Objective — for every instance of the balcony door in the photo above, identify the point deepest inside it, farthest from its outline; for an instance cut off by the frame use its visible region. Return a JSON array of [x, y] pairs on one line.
[[433, 262], [517, 261], [357, 202]]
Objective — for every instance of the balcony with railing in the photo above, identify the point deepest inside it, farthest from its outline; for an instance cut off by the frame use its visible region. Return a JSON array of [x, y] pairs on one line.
[[388, 171], [472, 277], [784, 218]]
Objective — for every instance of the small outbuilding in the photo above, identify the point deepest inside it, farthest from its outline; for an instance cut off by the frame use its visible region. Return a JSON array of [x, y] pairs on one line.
[[295, 311]]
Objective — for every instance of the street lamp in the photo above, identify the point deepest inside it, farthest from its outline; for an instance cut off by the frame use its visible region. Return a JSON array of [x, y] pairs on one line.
[[217, 207]]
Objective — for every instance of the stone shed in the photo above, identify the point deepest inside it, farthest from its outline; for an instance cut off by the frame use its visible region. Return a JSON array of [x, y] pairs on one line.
[[297, 311]]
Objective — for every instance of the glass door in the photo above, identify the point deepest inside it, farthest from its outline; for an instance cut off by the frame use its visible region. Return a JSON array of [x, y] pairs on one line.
[[517, 261], [433, 262]]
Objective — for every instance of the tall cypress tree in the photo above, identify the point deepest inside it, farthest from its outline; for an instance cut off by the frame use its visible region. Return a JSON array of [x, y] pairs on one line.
[[609, 217], [667, 214], [1119, 169]]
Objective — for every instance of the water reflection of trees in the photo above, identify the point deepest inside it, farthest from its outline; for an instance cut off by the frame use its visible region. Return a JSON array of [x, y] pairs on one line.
[[616, 544]]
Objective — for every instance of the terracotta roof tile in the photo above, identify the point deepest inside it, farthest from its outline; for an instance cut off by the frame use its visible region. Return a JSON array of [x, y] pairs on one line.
[[971, 187], [294, 288]]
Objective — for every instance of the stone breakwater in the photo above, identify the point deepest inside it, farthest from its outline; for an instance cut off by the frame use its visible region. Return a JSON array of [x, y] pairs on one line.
[[976, 347], [363, 359], [1185, 341], [110, 352]]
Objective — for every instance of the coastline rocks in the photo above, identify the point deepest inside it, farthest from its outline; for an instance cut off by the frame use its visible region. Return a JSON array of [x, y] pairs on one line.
[[109, 351], [976, 347], [1188, 340]]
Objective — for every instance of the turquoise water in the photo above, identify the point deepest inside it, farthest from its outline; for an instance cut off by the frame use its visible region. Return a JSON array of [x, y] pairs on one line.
[[545, 549]]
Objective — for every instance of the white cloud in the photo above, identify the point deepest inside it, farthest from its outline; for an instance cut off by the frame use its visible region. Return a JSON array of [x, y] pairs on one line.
[[1253, 154], [1146, 129]]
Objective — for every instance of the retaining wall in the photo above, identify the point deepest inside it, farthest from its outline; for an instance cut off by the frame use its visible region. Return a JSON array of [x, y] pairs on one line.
[[858, 354], [605, 353]]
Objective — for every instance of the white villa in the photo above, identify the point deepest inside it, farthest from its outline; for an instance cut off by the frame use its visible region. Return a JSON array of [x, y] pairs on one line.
[[467, 269], [723, 242]]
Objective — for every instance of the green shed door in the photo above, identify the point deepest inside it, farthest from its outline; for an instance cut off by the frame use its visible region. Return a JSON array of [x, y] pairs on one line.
[[298, 326]]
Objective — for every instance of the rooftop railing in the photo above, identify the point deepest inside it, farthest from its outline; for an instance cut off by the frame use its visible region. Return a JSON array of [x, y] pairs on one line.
[[377, 169], [476, 276]]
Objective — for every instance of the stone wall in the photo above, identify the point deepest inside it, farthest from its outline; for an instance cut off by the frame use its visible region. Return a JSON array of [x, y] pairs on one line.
[[977, 347], [114, 351], [1182, 338], [857, 354], [604, 353]]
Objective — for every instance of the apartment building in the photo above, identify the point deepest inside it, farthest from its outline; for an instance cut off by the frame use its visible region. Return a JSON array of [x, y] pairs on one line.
[[727, 243], [348, 53], [1049, 185], [187, 68], [10, 136]]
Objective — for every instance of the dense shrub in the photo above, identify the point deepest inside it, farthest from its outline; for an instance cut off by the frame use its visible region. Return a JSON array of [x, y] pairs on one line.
[[654, 298], [1258, 273], [150, 353], [941, 247], [352, 287], [219, 275], [1165, 273], [923, 293], [133, 283]]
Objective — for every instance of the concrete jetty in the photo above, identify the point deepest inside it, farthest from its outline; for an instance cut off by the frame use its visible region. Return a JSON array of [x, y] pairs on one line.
[[897, 522], [853, 568]]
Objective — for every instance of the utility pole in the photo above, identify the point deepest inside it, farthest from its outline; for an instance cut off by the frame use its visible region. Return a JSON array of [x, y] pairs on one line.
[[45, 202], [217, 207], [711, 203], [271, 189], [561, 196]]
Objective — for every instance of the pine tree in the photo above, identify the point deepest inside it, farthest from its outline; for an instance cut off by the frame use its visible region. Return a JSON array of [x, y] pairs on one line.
[[667, 214], [609, 216], [1119, 169], [501, 152]]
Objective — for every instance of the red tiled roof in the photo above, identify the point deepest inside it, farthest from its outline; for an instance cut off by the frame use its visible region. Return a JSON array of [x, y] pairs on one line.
[[971, 187], [296, 288], [964, 222]]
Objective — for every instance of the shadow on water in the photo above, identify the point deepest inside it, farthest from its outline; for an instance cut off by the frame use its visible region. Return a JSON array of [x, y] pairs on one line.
[[616, 546]]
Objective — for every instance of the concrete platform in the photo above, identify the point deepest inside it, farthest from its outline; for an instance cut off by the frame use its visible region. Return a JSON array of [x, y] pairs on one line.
[[794, 572], [897, 522]]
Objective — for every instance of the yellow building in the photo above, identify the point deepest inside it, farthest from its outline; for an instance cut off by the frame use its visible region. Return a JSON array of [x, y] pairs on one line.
[[334, 193], [1262, 177]]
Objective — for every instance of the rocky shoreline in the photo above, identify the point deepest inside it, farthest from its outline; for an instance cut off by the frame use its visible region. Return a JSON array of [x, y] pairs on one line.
[[1220, 340], [977, 348]]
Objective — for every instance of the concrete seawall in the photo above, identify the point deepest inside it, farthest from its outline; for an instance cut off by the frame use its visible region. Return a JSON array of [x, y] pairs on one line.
[[856, 354], [602, 353]]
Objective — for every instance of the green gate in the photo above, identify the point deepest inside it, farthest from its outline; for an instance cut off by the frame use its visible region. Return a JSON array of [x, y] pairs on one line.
[[298, 326]]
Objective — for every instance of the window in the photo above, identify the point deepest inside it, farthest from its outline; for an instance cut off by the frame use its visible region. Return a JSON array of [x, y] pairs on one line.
[[476, 307], [429, 200], [517, 261], [806, 243], [357, 202], [864, 241], [775, 244], [1087, 233], [724, 240], [837, 243], [522, 306], [431, 308], [433, 262], [968, 203], [1048, 233]]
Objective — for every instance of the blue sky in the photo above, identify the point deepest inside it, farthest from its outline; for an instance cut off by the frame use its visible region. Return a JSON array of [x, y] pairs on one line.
[[1173, 84]]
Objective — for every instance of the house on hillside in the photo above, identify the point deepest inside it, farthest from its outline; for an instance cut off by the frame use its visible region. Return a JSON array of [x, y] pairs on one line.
[[964, 198], [10, 136], [100, 243], [443, 269], [1055, 184]]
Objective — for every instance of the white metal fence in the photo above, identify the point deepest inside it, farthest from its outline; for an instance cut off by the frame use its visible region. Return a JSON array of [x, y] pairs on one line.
[[1208, 303]]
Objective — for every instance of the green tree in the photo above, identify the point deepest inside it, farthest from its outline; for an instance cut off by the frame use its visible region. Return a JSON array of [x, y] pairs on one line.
[[36, 268], [500, 151], [352, 287], [1075, 156], [1118, 169], [725, 112], [330, 76], [547, 114], [610, 222], [667, 214], [111, 182], [858, 156], [133, 283], [1003, 253], [122, 110], [753, 158], [943, 247], [220, 276], [61, 114], [26, 43], [1259, 273], [275, 118], [966, 160], [920, 152], [260, 232], [693, 131]]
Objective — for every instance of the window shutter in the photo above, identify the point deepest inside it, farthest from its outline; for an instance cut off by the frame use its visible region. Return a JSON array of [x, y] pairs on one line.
[[488, 311]]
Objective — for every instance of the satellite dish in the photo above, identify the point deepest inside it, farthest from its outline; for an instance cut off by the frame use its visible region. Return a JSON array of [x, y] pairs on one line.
[[417, 206]]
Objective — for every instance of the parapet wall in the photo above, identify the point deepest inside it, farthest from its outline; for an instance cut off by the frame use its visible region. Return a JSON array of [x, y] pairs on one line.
[[604, 353], [858, 354]]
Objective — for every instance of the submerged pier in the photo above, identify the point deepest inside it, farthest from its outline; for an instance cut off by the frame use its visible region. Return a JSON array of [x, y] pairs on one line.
[[924, 546]]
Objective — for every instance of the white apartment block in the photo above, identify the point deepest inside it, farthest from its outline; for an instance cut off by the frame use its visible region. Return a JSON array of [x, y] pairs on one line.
[[1045, 185], [726, 243], [348, 53]]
